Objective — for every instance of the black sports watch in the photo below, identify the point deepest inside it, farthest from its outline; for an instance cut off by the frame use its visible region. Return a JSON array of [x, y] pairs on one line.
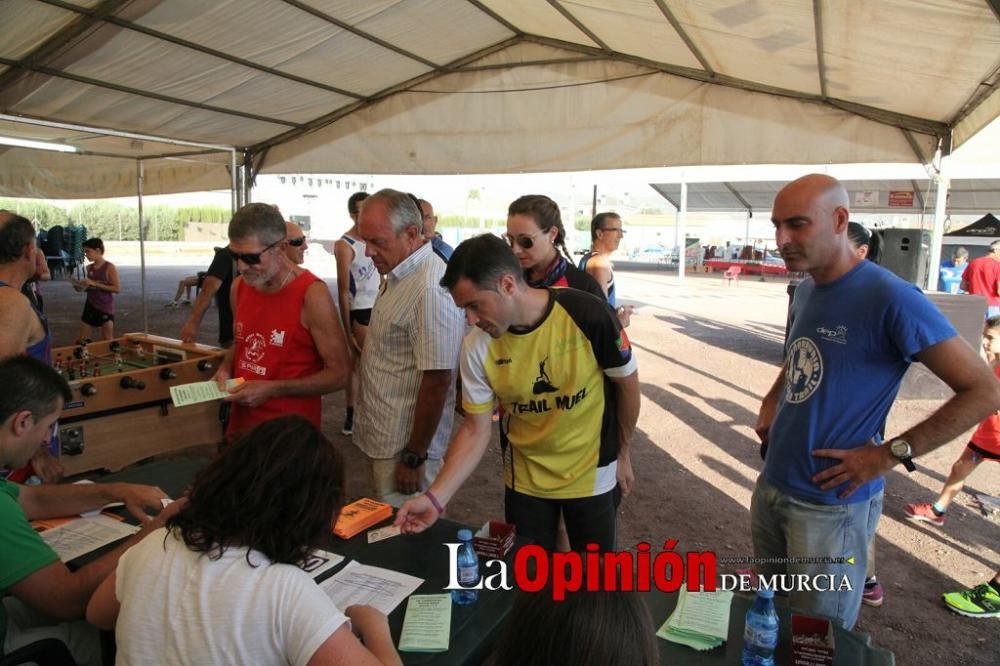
[[903, 452], [411, 459]]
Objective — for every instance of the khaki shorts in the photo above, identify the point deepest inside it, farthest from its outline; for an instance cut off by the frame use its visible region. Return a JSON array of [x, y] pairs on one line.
[[382, 478]]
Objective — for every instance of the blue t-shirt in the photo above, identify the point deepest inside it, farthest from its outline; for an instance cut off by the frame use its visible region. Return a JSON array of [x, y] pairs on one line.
[[849, 344]]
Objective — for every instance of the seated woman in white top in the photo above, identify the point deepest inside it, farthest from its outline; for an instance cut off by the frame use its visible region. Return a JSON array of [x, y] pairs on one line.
[[221, 583]]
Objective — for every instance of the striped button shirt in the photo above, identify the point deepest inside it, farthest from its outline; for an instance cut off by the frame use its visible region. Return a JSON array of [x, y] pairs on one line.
[[414, 327]]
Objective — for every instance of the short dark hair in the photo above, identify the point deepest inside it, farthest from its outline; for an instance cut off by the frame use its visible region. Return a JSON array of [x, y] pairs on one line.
[[992, 322], [585, 628], [481, 260], [354, 201], [257, 220], [597, 224], [15, 232], [276, 490], [28, 384], [545, 212], [94, 244]]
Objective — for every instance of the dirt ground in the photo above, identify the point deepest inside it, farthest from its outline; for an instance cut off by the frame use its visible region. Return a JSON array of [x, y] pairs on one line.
[[707, 353]]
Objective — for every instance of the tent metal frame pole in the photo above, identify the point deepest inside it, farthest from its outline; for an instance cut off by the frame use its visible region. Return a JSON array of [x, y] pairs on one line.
[[234, 179], [116, 133], [682, 230], [142, 248], [937, 234]]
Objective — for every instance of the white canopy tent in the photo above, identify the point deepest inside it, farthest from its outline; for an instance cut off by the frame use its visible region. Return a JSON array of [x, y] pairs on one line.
[[485, 86], [490, 86]]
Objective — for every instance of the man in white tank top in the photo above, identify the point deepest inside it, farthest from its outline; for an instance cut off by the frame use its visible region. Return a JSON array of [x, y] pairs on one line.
[[357, 286]]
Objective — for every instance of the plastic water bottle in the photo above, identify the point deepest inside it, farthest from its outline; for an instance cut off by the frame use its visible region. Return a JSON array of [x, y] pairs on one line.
[[761, 634], [468, 570]]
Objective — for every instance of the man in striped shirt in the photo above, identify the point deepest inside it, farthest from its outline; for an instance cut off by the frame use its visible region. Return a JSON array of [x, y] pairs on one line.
[[408, 364]]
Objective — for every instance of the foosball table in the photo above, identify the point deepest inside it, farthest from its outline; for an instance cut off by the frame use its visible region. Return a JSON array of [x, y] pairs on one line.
[[121, 410]]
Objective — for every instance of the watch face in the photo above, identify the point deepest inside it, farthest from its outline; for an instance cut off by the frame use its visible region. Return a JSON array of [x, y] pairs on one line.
[[900, 449]]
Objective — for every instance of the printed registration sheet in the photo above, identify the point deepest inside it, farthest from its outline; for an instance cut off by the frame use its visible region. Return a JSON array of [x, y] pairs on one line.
[[83, 535], [183, 395], [362, 584]]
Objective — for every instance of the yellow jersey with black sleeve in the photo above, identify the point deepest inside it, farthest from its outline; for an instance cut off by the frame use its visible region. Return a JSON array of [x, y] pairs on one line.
[[553, 383]]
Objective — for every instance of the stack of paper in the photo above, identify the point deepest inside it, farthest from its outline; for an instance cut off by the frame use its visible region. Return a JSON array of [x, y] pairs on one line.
[[359, 516], [700, 621], [427, 625]]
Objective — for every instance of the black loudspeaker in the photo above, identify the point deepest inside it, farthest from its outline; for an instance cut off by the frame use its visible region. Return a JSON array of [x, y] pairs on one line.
[[906, 252]]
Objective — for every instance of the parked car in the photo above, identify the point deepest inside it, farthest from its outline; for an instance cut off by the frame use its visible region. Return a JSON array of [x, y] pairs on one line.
[[654, 254]]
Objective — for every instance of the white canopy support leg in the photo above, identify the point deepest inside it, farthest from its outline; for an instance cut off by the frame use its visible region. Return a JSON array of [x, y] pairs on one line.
[[937, 234], [142, 248], [682, 230]]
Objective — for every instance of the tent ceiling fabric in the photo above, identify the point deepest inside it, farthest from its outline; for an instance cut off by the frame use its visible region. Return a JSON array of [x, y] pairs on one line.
[[477, 86], [965, 196]]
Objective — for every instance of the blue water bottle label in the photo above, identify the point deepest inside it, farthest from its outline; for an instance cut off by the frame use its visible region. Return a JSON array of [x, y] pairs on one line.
[[468, 575], [765, 638]]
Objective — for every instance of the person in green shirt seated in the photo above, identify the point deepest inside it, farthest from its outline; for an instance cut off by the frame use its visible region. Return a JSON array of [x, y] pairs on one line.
[[42, 597]]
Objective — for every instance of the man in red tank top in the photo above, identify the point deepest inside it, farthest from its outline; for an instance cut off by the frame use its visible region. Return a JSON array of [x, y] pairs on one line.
[[982, 277], [288, 349]]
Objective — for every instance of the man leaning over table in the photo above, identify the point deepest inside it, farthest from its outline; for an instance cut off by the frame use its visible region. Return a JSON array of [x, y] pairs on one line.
[[559, 364], [42, 598]]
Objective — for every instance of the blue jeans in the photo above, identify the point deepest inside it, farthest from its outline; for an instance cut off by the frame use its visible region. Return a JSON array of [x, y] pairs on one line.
[[785, 527]]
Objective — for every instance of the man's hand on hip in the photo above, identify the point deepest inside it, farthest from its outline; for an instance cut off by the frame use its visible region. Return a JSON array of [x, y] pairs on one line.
[[857, 467]]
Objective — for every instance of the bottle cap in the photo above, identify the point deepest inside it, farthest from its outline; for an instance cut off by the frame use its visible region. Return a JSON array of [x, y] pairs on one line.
[[465, 535], [765, 592]]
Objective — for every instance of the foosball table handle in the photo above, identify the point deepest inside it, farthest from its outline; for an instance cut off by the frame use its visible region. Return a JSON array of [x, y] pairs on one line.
[[130, 383]]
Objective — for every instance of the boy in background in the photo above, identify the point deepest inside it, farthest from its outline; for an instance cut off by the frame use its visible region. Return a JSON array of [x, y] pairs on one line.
[[101, 285]]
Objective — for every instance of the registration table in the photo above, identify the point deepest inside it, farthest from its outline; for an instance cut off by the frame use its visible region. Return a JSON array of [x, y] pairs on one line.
[[474, 629]]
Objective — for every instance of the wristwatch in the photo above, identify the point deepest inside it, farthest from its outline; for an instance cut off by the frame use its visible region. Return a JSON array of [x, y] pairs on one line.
[[903, 452], [411, 459]]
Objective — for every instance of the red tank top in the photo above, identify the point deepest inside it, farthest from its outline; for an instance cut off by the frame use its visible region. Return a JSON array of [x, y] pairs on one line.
[[987, 435], [271, 344]]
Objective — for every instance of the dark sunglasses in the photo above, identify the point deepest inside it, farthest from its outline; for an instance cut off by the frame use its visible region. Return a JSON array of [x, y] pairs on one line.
[[297, 242], [526, 242], [251, 258]]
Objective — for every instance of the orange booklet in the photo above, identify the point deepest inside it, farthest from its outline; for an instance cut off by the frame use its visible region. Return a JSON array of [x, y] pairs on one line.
[[359, 516]]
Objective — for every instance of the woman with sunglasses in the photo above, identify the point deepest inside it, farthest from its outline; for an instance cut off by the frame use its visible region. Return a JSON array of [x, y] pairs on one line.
[[536, 234]]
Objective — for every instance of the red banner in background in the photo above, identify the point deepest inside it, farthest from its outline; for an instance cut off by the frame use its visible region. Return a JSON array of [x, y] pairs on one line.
[[901, 199]]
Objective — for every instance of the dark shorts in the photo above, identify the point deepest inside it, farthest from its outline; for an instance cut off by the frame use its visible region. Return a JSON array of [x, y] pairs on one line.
[[361, 317], [983, 453], [94, 317], [588, 519]]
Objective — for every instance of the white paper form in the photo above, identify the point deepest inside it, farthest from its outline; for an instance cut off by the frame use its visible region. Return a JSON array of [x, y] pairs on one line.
[[84, 535], [362, 584]]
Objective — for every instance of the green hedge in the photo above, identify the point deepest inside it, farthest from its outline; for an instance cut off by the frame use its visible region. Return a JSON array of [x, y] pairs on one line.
[[114, 221]]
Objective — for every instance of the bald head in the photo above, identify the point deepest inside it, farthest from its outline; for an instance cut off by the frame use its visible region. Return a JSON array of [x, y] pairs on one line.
[[816, 189], [296, 239], [810, 218]]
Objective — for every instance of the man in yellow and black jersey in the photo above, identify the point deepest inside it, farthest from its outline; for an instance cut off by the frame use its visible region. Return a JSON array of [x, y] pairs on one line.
[[560, 366]]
